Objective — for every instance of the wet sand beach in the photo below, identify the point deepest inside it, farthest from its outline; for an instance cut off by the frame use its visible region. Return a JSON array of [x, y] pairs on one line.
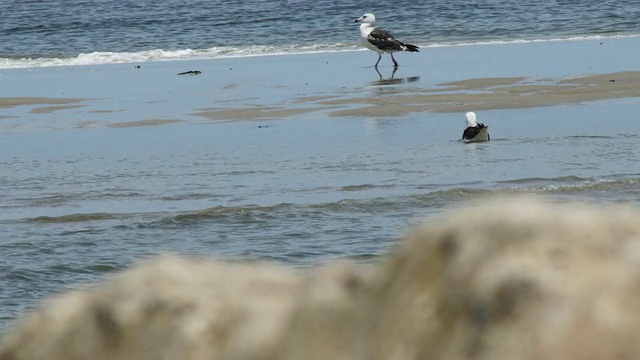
[[342, 84]]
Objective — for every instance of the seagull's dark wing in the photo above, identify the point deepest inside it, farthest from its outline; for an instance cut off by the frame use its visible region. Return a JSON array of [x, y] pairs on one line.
[[383, 40], [470, 132]]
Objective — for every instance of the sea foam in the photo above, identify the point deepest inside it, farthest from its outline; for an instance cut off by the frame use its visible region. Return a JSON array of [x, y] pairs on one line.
[[98, 58]]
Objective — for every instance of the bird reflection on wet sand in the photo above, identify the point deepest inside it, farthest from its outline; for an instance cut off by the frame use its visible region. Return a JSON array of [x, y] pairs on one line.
[[391, 80]]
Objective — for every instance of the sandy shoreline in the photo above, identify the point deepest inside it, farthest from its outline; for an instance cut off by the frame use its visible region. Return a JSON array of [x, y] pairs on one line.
[[438, 80], [459, 96], [499, 93]]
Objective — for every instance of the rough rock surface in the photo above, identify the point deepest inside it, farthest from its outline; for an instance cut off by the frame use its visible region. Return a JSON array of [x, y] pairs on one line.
[[509, 279]]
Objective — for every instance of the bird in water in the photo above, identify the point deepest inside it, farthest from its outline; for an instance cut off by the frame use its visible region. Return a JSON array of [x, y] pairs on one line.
[[475, 131], [381, 41]]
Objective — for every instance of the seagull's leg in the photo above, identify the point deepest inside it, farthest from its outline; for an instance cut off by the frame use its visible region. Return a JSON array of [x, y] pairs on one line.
[[379, 57], [395, 63]]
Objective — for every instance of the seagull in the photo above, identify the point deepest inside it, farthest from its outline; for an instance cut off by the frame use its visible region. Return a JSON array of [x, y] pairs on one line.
[[475, 131], [379, 40]]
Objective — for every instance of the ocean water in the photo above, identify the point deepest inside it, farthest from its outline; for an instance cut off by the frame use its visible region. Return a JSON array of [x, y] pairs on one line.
[[62, 32], [79, 205]]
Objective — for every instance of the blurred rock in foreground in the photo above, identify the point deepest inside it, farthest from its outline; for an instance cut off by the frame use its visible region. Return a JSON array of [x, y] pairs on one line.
[[510, 279]]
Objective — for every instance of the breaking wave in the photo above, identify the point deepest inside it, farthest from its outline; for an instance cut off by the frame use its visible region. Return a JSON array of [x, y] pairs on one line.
[[99, 58]]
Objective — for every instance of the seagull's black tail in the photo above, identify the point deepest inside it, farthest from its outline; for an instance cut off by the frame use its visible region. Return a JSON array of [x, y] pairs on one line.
[[409, 47]]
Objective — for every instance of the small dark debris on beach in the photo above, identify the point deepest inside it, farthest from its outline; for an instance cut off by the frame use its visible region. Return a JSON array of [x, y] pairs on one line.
[[191, 72], [612, 80]]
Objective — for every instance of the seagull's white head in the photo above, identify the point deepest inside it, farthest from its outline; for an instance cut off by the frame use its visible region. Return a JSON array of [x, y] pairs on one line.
[[367, 18], [471, 119]]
